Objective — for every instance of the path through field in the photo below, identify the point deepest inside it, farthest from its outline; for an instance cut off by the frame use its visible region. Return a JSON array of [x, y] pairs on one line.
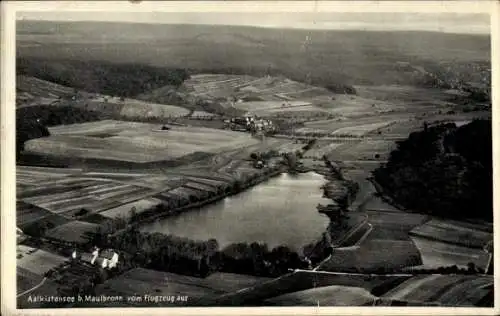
[[32, 289]]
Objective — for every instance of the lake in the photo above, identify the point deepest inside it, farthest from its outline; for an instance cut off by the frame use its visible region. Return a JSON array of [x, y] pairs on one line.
[[280, 211]]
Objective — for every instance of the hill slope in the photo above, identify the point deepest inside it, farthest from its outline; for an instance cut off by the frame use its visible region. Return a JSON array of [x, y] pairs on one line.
[[330, 57]]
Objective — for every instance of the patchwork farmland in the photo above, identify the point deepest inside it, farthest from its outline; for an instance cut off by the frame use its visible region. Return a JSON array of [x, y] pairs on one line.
[[279, 96]]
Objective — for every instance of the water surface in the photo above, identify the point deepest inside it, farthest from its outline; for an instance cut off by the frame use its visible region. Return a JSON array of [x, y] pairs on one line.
[[280, 211]]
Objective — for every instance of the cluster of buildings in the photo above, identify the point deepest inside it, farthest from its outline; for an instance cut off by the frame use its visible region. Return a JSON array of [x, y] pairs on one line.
[[106, 259], [251, 124]]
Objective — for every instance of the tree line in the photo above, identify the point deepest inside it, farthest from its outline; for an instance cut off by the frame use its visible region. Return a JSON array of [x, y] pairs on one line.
[[198, 257]]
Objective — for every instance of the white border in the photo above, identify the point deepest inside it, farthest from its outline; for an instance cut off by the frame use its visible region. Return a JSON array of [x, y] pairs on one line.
[[8, 205]]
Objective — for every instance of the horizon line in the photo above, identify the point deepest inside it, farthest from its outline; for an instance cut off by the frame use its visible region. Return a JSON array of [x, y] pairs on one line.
[[282, 27]]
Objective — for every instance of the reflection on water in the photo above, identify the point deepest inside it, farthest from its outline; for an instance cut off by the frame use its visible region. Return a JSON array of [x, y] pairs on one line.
[[279, 211]]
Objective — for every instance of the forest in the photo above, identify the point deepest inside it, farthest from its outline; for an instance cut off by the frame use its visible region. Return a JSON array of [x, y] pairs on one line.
[[443, 170], [115, 79]]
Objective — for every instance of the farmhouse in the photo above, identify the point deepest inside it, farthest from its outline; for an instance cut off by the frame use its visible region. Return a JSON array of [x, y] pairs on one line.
[[107, 258]]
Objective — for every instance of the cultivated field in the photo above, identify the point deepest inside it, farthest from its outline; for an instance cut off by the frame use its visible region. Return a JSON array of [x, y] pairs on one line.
[[377, 149], [92, 194], [451, 290], [295, 282], [75, 231], [140, 109], [405, 94], [353, 127], [393, 225], [472, 236], [141, 282], [48, 288], [321, 149], [202, 114], [268, 105], [31, 90], [439, 254], [361, 130], [135, 142], [37, 261], [124, 210], [26, 279], [373, 255], [325, 296]]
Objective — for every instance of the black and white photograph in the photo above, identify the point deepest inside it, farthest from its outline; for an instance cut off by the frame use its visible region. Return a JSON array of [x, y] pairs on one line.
[[225, 154]]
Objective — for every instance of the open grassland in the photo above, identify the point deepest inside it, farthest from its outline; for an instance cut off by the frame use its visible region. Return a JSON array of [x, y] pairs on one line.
[[135, 142], [37, 261], [325, 296], [451, 290]]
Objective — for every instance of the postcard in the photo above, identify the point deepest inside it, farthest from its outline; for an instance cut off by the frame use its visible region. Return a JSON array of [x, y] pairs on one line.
[[246, 157]]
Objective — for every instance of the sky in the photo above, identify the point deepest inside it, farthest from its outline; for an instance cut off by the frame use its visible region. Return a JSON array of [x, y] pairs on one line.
[[311, 16]]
